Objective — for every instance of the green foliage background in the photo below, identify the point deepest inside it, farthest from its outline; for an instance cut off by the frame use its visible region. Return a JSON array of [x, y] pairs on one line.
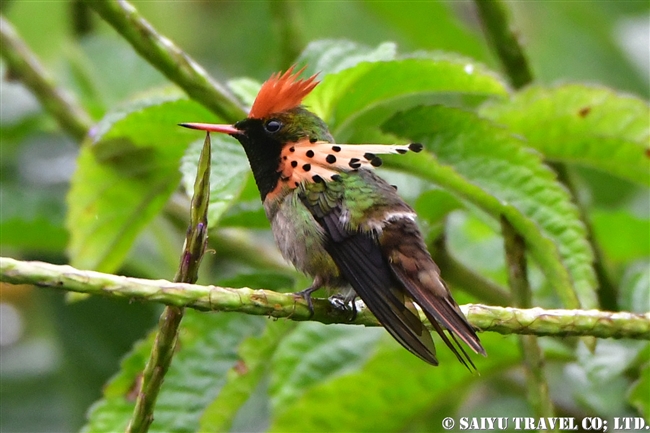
[[390, 70]]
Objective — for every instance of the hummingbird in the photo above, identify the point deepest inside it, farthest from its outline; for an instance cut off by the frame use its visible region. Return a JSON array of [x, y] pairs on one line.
[[340, 223]]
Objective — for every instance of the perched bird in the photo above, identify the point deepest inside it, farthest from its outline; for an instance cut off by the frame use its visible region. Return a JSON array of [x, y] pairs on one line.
[[340, 223]]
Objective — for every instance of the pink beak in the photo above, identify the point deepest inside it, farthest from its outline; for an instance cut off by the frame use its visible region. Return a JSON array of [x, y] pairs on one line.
[[225, 129]]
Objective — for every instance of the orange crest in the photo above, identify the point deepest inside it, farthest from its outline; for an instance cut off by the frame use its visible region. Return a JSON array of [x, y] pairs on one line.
[[281, 92]]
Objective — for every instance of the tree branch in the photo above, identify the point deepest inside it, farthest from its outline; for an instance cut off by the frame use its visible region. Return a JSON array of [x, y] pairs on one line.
[[533, 321], [164, 55], [24, 65]]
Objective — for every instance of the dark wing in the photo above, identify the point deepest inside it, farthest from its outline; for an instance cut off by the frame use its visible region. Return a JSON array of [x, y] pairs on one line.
[[412, 265], [361, 261]]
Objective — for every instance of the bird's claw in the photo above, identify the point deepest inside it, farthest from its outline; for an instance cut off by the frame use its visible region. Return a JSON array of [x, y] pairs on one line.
[[338, 302], [306, 295], [341, 303]]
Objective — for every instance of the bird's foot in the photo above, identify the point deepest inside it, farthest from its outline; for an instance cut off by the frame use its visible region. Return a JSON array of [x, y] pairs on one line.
[[338, 302], [341, 303], [306, 295]]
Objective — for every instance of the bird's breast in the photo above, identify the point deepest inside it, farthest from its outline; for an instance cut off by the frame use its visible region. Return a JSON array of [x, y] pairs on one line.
[[300, 238]]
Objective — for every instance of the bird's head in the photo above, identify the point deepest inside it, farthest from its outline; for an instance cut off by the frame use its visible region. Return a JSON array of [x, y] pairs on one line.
[[276, 121], [276, 117]]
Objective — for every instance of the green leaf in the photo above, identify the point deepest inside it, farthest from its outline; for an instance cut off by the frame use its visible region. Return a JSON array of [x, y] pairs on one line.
[[413, 22], [591, 126], [246, 213], [485, 165], [244, 378], [125, 174], [369, 93], [432, 208], [34, 221], [328, 56], [474, 238], [91, 72], [248, 210], [113, 411], [245, 89], [618, 232], [315, 353], [634, 292], [391, 391], [228, 174], [245, 382], [208, 350], [230, 171], [597, 381], [436, 204], [637, 395]]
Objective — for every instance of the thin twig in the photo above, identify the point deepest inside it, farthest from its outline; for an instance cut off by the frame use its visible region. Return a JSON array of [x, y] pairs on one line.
[[538, 393], [165, 56], [289, 27], [164, 345], [154, 371], [496, 24], [24, 65], [515, 248], [80, 14], [505, 42], [533, 321]]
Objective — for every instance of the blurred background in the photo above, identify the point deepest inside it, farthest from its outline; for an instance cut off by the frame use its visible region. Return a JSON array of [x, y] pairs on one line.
[[55, 357]]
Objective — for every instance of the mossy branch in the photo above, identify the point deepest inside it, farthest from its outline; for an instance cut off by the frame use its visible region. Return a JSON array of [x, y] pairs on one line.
[[533, 321]]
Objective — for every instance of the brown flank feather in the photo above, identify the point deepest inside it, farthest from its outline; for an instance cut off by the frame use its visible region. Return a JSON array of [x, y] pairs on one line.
[[420, 276]]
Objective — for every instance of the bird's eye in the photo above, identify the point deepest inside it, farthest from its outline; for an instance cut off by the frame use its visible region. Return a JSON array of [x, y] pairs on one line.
[[273, 126]]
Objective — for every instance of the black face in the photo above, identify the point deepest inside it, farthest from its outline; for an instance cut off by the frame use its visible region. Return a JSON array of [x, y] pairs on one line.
[[262, 142], [261, 131]]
